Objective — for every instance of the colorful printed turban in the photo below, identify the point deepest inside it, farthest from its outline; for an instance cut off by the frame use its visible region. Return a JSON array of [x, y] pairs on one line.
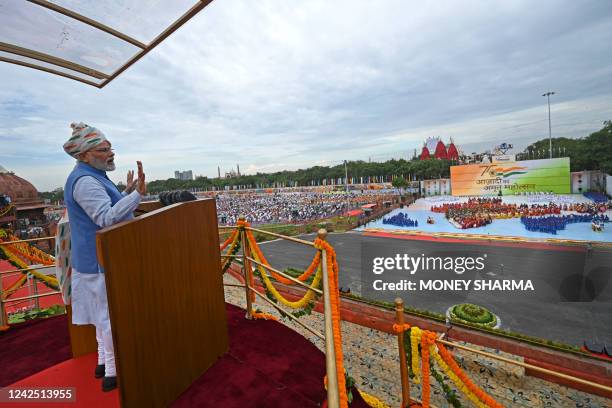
[[84, 138]]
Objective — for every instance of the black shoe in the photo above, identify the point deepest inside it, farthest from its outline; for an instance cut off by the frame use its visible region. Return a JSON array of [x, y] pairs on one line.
[[99, 373], [109, 383]]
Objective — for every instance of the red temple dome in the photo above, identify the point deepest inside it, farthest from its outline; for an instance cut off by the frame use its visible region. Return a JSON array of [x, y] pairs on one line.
[[440, 151], [425, 153], [452, 153]]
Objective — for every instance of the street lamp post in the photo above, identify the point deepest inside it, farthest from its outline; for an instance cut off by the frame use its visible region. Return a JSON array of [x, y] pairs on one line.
[[345, 177], [547, 95]]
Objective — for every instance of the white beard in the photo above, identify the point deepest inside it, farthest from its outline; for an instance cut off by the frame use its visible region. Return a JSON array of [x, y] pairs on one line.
[[102, 165]]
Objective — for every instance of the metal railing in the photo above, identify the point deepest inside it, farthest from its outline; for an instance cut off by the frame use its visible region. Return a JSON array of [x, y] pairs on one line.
[[333, 397], [405, 381], [36, 295], [332, 389]]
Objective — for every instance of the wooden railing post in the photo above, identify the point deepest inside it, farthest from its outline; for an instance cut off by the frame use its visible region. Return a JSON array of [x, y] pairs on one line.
[[399, 315], [333, 397], [246, 269]]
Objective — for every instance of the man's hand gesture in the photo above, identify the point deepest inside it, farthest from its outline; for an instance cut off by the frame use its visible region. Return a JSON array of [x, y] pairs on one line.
[[142, 187], [131, 183]]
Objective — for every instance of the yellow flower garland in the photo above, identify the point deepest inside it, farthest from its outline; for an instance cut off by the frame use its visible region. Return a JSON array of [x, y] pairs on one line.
[[50, 280], [372, 400], [415, 339], [230, 251], [298, 304], [460, 385]]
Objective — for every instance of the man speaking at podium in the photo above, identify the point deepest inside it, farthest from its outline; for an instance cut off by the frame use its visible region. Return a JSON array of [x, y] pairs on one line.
[[94, 202]]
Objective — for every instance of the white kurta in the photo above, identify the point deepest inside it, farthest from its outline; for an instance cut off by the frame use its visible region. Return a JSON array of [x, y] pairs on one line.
[[89, 302]]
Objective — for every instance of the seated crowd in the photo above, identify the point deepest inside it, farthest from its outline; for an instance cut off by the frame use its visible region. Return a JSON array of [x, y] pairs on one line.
[[286, 207], [401, 220], [552, 224], [480, 211]]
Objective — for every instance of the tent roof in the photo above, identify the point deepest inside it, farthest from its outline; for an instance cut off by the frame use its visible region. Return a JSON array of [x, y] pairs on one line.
[[88, 41]]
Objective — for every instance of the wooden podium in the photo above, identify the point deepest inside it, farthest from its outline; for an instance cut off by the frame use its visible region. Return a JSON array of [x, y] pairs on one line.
[[166, 300]]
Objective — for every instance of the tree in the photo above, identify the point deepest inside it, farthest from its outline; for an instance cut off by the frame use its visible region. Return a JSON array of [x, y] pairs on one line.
[[593, 152], [399, 182]]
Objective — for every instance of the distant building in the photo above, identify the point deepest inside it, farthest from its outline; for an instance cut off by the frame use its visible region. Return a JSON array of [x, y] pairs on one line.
[[231, 174], [21, 209], [183, 175], [439, 149]]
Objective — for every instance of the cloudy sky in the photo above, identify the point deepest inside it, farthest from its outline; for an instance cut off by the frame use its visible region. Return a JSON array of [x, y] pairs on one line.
[[274, 85]]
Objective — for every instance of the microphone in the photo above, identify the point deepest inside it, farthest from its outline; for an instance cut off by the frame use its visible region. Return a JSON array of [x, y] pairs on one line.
[[173, 197]]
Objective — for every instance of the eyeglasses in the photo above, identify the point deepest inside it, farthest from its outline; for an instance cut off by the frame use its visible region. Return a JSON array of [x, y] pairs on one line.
[[104, 150]]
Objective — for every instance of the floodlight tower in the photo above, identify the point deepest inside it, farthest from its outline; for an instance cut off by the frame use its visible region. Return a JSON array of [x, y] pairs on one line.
[[547, 95]]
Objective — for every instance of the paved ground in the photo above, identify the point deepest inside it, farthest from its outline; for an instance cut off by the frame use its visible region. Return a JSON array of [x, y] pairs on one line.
[[572, 300]]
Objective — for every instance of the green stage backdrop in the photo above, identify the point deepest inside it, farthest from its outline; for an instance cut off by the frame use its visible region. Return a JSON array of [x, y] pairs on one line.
[[547, 175]]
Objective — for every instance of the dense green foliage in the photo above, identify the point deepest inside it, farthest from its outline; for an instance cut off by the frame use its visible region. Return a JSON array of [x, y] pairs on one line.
[[593, 152], [387, 171], [53, 196], [31, 314]]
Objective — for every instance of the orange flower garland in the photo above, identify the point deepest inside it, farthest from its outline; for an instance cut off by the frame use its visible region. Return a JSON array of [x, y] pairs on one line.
[[427, 339], [263, 316], [50, 280], [30, 252], [228, 240], [400, 329], [307, 273], [335, 306], [480, 394]]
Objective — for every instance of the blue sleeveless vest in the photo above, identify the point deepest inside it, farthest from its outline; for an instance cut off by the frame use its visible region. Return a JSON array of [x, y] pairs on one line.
[[82, 229]]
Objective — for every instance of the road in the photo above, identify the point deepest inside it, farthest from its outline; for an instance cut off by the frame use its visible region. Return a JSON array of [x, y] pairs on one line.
[[571, 300]]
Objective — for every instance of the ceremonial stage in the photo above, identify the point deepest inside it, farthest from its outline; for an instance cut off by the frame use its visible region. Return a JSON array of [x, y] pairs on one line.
[[499, 228], [267, 365]]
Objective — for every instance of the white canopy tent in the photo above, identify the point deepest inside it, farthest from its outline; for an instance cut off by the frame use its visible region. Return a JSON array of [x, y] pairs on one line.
[[88, 41]]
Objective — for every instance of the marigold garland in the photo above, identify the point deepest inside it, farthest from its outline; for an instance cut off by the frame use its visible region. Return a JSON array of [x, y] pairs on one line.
[[333, 289], [298, 304], [445, 360], [30, 252], [372, 400], [263, 316], [458, 383], [50, 281], [334, 296], [229, 239], [397, 329], [303, 277], [415, 338], [425, 389], [234, 247], [477, 391]]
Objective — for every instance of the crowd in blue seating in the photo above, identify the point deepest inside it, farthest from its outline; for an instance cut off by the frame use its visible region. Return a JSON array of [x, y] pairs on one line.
[[596, 196], [552, 224], [401, 220]]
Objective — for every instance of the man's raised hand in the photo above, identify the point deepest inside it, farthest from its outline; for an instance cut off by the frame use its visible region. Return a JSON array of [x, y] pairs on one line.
[[142, 187]]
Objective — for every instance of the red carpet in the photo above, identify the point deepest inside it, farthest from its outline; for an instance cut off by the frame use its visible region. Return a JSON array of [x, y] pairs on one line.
[[76, 373], [27, 348], [268, 365]]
